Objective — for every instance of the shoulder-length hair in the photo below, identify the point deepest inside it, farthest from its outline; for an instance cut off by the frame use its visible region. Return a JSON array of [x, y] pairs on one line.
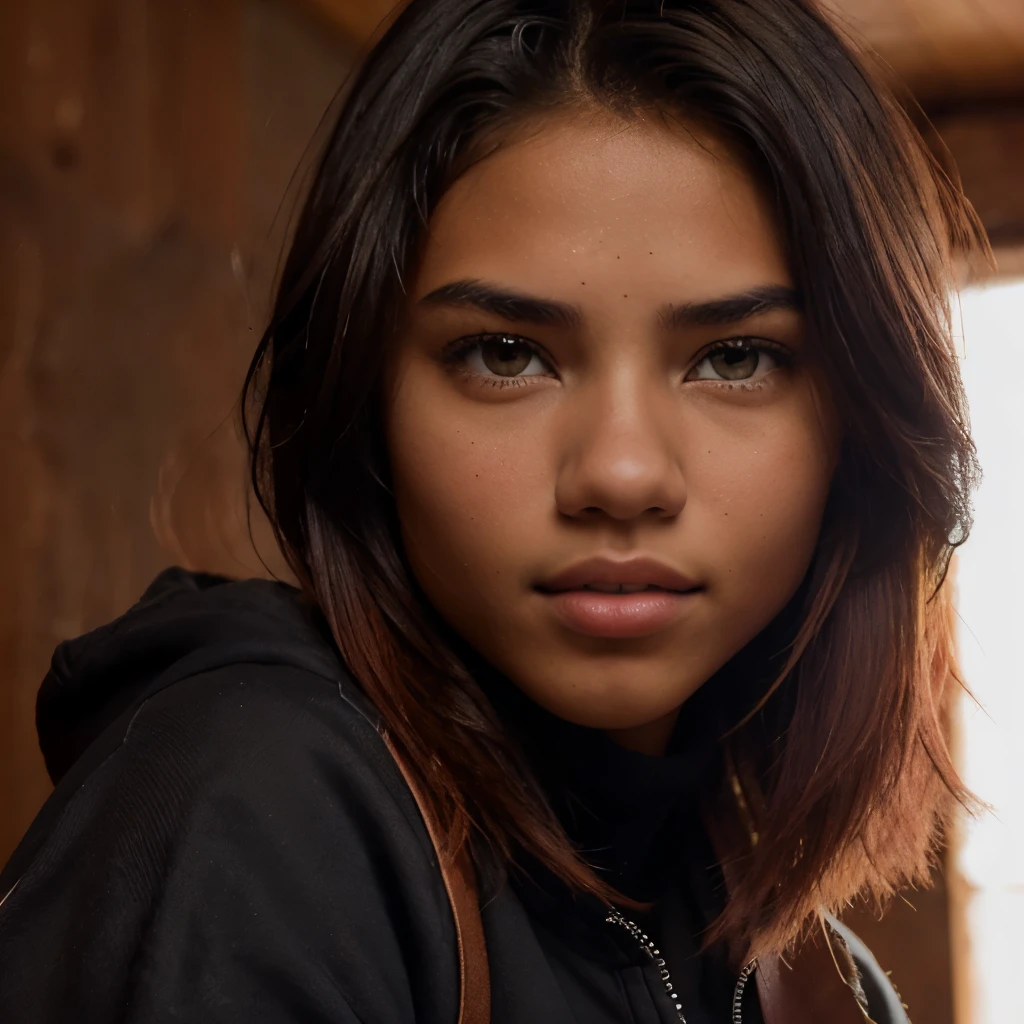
[[841, 765]]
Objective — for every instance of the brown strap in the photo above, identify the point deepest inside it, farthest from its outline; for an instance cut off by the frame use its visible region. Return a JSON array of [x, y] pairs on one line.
[[818, 982], [460, 882], [813, 986]]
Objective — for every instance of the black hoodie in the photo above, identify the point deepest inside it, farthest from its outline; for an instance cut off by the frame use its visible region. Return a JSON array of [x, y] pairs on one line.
[[229, 840]]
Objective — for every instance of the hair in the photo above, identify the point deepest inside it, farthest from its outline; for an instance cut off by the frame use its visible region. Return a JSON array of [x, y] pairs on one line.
[[841, 767]]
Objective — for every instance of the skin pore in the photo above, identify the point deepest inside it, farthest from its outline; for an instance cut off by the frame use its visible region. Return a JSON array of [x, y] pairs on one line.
[[603, 356]]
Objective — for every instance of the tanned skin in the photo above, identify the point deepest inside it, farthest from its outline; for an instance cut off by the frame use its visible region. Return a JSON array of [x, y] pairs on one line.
[[605, 259]]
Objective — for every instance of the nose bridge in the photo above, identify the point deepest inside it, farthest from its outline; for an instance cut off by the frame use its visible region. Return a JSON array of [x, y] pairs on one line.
[[620, 455]]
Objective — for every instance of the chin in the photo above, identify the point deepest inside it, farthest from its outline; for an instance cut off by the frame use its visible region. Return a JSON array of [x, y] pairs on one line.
[[612, 706]]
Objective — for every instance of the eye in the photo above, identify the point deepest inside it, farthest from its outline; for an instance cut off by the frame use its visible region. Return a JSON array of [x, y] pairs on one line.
[[500, 355], [738, 359]]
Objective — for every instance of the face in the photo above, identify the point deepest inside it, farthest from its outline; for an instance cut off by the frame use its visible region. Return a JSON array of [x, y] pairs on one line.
[[610, 446]]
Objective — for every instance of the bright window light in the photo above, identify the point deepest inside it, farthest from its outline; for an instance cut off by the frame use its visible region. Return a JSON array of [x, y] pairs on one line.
[[990, 586]]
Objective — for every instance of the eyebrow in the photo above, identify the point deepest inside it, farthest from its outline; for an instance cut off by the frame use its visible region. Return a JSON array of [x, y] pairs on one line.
[[515, 306], [732, 309], [507, 304]]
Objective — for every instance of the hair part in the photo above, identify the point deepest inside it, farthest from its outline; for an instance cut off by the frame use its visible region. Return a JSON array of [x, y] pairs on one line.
[[842, 761]]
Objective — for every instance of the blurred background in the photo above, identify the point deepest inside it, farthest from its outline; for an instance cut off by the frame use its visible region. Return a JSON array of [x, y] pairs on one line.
[[151, 152]]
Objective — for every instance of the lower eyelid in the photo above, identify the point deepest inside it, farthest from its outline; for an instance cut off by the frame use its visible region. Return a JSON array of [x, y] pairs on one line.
[[497, 381], [753, 384]]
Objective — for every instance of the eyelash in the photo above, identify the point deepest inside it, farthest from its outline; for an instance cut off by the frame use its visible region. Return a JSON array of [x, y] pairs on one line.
[[461, 347], [780, 353]]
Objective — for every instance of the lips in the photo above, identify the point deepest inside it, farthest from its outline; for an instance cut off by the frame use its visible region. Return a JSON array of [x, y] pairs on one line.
[[618, 599], [620, 588], [617, 576]]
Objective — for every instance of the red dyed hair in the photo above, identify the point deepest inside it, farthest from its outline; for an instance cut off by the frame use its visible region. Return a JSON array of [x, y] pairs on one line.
[[841, 763]]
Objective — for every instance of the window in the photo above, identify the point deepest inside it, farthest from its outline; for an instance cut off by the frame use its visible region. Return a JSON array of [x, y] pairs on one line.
[[990, 602]]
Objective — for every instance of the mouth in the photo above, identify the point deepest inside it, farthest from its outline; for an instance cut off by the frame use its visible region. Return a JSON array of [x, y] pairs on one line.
[[611, 598], [619, 576], [619, 588]]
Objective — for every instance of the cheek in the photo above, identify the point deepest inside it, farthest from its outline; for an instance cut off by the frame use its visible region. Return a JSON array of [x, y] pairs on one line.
[[467, 495], [760, 501]]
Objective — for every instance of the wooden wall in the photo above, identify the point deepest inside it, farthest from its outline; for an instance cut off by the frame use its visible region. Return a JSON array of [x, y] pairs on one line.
[[145, 147]]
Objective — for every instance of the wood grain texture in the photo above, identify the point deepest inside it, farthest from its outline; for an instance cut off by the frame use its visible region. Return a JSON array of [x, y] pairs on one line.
[[144, 150]]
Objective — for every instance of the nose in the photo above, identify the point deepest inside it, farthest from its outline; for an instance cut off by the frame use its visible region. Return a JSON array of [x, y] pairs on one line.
[[621, 455]]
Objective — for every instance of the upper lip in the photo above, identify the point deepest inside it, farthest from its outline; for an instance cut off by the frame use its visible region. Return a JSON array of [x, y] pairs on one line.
[[611, 570]]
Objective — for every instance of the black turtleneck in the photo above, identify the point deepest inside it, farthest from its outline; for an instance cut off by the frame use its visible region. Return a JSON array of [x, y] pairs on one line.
[[636, 818]]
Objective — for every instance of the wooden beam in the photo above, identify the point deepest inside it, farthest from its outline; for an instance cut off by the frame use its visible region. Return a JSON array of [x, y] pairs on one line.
[[987, 147], [943, 49], [357, 20]]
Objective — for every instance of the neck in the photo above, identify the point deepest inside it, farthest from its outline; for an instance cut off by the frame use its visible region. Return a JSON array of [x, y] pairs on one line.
[[650, 738]]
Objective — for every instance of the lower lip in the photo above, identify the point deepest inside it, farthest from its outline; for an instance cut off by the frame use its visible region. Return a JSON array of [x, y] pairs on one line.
[[619, 616]]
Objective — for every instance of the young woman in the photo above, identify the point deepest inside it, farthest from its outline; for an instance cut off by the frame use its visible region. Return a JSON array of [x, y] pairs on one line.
[[610, 421]]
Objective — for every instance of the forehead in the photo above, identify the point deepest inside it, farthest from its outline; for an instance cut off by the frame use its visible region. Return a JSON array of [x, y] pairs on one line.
[[589, 200]]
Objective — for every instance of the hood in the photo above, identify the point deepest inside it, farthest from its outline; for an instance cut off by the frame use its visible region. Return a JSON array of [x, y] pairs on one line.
[[184, 624]]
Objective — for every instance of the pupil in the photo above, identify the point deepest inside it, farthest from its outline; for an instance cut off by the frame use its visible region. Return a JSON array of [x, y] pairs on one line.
[[507, 357], [735, 363]]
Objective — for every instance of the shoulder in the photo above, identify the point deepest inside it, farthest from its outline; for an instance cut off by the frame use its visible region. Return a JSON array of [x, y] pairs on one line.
[[275, 778], [249, 814], [252, 757], [240, 726], [225, 723], [209, 685], [261, 753]]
